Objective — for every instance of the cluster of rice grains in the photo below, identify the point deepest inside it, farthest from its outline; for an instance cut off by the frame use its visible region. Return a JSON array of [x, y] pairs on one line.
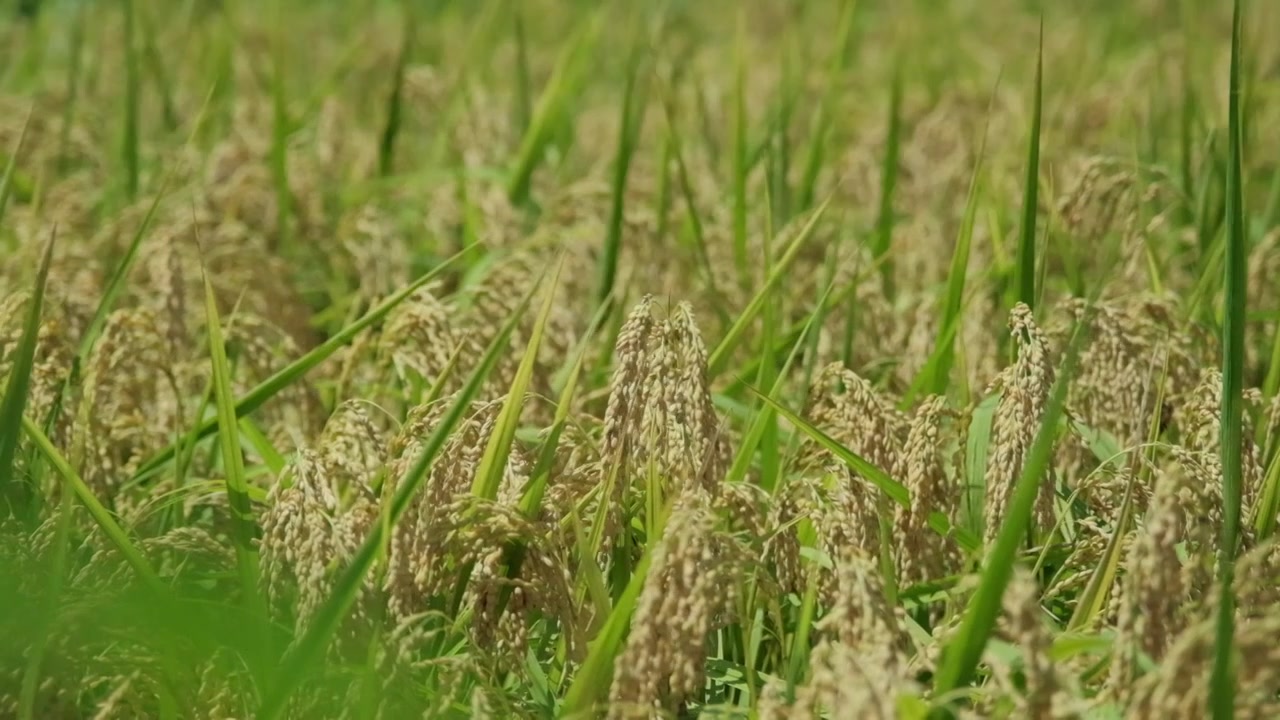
[[651, 536]]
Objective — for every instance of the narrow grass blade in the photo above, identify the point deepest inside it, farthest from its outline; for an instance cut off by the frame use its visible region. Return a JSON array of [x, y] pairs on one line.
[[387, 145], [112, 291], [524, 102], [492, 463], [935, 376], [295, 370], [780, 153], [57, 578], [1211, 205], [592, 680], [1231, 440], [956, 281], [798, 657], [531, 498], [760, 424], [261, 444], [977, 448], [691, 208], [97, 511], [1271, 211], [1186, 133], [280, 130], [740, 162], [540, 477], [930, 376], [1271, 384], [311, 646], [244, 528], [1025, 270], [156, 64], [548, 113], [720, 356], [962, 654], [14, 492], [75, 47], [129, 139], [822, 130], [1265, 520], [768, 373], [893, 489], [662, 203], [888, 183], [10, 177], [1093, 599], [591, 583], [629, 127]]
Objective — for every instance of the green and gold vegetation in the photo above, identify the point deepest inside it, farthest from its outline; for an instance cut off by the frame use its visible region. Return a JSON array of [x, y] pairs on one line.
[[566, 359]]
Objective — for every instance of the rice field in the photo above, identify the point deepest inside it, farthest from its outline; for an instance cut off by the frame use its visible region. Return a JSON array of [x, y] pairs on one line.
[[566, 359]]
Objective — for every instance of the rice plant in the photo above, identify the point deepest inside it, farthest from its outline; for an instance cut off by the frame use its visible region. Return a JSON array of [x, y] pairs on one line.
[[639, 360]]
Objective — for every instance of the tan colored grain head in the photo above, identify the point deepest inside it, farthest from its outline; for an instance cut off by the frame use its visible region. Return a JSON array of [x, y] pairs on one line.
[[691, 582], [921, 553], [1024, 391]]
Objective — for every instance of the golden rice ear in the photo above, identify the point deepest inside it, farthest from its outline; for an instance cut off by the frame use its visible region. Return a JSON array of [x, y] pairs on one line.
[[858, 611], [690, 589], [846, 406], [861, 657], [1199, 418], [630, 359], [1158, 589], [295, 415], [660, 423], [922, 554], [352, 447], [297, 540], [134, 401], [1044, 690], [1024, 394], [504, 606], [415, 346], [1179, 686]]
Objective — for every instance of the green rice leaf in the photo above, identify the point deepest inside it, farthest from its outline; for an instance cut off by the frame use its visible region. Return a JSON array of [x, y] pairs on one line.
[[720, 356], [977, 449], [935, 376], [129, 138], [493, 462], [10, 178], [1231, 440], [691, 207], [888, 184], [798, 657], [489, 473], [244, 527], [766, 415], [629, 126], [15, 492], [1026, 266], [395, 109], [592, 680], [741, 164], [533, 493], [107, 302], [101, 516], [552, 105]]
